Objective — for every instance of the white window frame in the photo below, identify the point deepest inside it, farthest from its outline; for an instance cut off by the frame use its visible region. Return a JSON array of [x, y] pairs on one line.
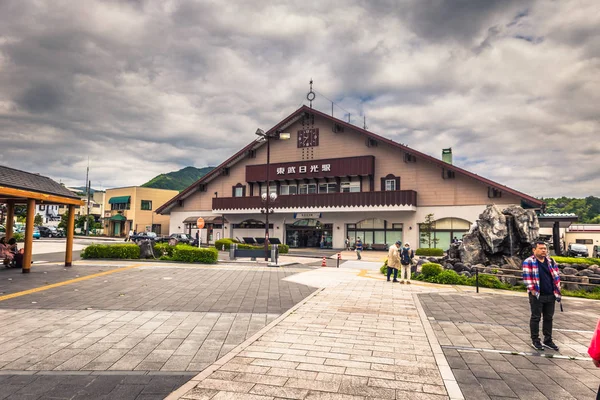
[[272, 189], [390, 184], [239, 191], [286, 190], [307, 188], [329, 187], [350, 187]]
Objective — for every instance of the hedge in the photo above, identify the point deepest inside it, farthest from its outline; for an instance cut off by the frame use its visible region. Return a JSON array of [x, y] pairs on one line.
[[224, 242], [163, 249], [187, 253], [576, 260], [431, 269], [429, 252], [122, 251]]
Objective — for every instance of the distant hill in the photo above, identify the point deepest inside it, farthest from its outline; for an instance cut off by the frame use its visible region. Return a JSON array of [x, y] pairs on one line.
[[178, 180]]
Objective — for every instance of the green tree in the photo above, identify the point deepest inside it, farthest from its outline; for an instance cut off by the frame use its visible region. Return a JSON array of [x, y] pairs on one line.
[[38, 220], [64, 221], [427, 231]]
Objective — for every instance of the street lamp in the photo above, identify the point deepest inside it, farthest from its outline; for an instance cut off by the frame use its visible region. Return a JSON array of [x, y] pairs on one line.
[[269, 197]]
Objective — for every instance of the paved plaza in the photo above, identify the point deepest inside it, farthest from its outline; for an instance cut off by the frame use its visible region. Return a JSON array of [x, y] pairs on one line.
[[108, 330]]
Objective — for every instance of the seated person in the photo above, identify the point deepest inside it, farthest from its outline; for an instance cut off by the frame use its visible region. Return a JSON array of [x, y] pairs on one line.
[[5, 254]]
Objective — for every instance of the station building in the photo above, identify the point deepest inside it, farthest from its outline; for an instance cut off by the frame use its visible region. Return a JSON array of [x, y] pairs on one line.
[[335, 180]]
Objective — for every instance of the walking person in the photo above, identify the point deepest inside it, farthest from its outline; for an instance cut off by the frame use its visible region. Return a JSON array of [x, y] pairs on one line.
[[541, 276], [129, 236], [594, 351], [393, 262], [406, 257], [347, 243], [359, 248]]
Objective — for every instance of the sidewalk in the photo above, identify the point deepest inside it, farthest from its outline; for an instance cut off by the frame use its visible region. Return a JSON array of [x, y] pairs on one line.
[[343, 342]]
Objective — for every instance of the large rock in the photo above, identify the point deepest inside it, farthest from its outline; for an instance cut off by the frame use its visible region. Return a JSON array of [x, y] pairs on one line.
[[526, 223], [569, 271], [146, 250], [471, 250], [492, 229]]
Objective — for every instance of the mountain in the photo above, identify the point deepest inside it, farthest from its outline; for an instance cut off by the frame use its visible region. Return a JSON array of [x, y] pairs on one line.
[[178, 180]]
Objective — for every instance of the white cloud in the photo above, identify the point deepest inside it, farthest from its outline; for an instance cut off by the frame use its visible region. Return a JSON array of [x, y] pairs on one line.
[[146, 87]]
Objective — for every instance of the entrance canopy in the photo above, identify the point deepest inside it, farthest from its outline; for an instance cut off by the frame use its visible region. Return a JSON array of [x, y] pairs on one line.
[[20, 187], [213, 219]]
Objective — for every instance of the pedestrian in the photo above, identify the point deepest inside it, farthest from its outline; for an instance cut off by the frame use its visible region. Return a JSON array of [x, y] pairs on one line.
[[5, 254], [322, 242], [393, 261], [359, 248], [348, 243], [594, 351], [130, 235], [406, 256], [541, 276]]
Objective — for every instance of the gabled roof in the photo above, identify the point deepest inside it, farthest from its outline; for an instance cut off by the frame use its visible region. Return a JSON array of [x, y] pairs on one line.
[[17, 179], [305, 109]]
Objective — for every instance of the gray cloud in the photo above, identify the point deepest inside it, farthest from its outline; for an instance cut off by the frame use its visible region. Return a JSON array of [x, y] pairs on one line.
[[146, 87]]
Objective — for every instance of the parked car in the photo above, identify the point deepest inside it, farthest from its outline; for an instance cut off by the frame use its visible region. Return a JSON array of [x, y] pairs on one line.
[[49, 231], [36, 233], [577, 250], [144, 236], [181, 238]]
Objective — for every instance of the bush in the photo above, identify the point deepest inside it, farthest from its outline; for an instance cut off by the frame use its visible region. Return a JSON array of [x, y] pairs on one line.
[[488, 281], [163, 249], [447, 277], [224, 242], [575, 260], [19, 237], [430, 269], [120, 251], [187, 253], [283, 248], [430, 252]]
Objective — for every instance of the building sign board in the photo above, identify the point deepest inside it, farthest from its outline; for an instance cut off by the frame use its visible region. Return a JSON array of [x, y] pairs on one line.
[[334, 167], [308, 215]]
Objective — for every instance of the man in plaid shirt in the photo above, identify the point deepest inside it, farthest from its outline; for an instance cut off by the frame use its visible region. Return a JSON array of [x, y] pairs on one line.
[[541, 276]]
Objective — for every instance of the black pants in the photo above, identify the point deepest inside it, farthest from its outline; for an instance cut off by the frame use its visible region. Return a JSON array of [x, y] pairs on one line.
[[542, 306], [389, 273]]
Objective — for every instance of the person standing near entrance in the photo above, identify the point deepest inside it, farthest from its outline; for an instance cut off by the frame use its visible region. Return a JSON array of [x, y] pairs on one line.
[[406, 256], [393, 262], [359, 248], [541, 276], [348, 243]]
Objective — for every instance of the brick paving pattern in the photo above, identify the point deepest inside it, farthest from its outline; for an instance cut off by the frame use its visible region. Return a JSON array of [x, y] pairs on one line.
[[133, 334], [359, 339], [480, 332]]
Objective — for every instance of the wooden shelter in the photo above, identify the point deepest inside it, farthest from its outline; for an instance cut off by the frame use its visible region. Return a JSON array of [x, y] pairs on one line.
[[20, 187]]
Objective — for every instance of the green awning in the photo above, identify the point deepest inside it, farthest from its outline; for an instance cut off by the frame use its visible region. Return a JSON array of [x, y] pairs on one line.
[[119, 200], [118, 217]]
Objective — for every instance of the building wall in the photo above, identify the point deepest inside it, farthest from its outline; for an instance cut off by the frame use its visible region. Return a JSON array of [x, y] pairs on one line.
[[138, 219], [423, 176]]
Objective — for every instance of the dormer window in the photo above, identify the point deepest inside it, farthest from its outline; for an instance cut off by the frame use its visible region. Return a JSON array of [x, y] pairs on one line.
[[448, 174]]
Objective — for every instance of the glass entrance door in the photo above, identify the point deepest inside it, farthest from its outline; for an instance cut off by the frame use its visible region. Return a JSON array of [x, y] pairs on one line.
[[308, 233]]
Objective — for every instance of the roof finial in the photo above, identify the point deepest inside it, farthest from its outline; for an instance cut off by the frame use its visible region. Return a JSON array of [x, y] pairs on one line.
[[311, 95]]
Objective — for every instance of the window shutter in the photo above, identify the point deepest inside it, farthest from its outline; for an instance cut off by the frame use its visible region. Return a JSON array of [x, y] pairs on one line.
[[398, 183], [233, 191], [383, 184]]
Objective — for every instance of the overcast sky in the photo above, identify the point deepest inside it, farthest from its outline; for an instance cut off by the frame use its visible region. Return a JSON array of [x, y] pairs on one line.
[[147, 87]]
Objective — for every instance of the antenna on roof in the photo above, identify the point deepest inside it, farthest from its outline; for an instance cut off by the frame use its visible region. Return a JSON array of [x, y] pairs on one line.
[[365, 122], [311, 95]]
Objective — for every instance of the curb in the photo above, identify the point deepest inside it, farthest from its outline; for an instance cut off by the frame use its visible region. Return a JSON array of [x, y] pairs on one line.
[[448, 377], [227, 357]]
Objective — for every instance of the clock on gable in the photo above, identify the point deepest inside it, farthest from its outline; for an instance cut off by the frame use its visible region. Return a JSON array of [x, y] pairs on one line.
[[308, 137]]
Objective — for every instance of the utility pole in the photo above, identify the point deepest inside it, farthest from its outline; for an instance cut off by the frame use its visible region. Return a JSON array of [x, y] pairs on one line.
[[87, 218], [87, 195]]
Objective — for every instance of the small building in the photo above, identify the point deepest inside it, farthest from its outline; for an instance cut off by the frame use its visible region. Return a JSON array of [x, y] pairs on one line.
[[334, 180], [586, 234], [133, 208]]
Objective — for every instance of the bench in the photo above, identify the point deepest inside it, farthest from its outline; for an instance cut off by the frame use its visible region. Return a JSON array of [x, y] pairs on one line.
[[380, 247]]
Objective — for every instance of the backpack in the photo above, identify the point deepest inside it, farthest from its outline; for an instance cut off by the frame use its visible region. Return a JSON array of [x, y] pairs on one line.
[[406, 256]]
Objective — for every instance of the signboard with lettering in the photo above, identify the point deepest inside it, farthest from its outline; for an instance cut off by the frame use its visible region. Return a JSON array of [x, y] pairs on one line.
[[307, 215], [334, 167]]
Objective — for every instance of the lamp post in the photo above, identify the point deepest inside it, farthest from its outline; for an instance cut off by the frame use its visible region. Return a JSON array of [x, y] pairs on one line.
[[269, 197]]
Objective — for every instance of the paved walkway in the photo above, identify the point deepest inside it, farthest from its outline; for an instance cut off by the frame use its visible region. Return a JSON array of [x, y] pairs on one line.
[[358, 338]]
